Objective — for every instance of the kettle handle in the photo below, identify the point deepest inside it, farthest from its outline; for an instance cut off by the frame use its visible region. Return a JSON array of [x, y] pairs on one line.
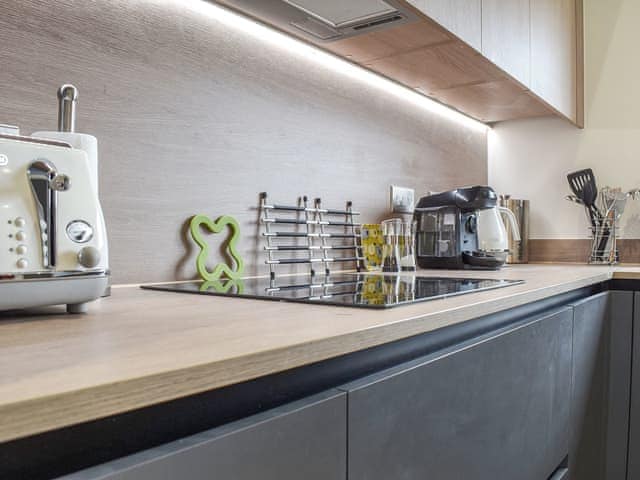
[[515, 230]]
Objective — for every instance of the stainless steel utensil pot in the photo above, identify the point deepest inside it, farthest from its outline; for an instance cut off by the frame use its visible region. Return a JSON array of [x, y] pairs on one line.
[[518, 249]]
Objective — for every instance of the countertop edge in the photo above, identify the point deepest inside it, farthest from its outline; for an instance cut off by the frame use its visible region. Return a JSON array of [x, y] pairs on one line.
[[25, 418]]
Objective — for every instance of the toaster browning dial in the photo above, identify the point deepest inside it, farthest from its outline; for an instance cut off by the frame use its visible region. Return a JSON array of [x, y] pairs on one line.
[[79, 231]]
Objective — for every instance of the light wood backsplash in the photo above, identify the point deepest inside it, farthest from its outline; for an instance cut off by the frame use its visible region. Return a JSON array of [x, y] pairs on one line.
[[577, 250], [193, 115]]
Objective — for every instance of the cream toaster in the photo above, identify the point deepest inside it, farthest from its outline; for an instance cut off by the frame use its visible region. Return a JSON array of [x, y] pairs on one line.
[[54, 247]]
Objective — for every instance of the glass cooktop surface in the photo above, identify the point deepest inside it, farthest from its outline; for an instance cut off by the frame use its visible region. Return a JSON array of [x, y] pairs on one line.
[[366, 290]]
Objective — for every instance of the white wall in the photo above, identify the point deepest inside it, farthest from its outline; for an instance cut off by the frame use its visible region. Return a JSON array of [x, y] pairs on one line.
[[530, 158]]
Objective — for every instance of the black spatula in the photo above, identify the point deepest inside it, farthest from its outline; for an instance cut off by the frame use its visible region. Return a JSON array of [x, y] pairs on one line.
[[583, 185]]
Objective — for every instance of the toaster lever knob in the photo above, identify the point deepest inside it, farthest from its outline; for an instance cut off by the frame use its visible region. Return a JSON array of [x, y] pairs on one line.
[[89, 257]]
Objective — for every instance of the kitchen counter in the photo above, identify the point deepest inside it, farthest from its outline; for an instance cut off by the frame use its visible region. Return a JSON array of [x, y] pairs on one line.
[[139, 347]]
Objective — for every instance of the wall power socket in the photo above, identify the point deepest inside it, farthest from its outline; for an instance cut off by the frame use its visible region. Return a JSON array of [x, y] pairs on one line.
[[401, 199]]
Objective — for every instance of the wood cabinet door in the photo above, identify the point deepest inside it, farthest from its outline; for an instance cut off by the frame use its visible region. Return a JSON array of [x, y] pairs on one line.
[[554, 54], [302, 440], [505, 36], [496, 407], [463, 18], [601, 387]]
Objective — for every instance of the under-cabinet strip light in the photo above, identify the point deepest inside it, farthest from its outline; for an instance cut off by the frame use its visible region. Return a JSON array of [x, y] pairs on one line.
[[308, 51]]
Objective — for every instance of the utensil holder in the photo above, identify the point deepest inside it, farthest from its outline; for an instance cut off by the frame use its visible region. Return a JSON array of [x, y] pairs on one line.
[[604, 244], [604, 218]]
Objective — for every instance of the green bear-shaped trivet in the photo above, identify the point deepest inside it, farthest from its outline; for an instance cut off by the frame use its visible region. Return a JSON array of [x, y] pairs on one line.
[[200, 221], [233, 285]]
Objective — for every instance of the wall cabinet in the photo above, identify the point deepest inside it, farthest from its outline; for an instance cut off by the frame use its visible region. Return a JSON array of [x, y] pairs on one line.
[[306, 439], [601, 387], [537, 42], [554, 54], [461, 17], [493, 60], [506, 26], [496, 408]]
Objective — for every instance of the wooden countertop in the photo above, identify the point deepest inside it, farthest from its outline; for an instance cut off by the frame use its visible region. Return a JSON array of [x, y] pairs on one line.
[[141, 347]]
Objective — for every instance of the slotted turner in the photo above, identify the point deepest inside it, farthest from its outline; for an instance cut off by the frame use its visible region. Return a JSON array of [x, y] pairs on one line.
[[583, 185]]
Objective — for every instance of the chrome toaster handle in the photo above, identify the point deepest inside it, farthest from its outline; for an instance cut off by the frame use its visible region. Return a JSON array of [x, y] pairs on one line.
[[67, 100], [46, 182]]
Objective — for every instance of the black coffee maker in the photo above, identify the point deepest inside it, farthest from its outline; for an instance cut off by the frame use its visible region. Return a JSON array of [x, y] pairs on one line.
[[447, 229]]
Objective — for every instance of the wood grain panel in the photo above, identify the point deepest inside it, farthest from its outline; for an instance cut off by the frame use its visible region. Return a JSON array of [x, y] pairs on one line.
[[443, 64], [389, 42], [559, 250], [140, 347], [577, 250], [494, 101], [554, 50], [194, 115], [461, 17], [505, 36], [437, 67]]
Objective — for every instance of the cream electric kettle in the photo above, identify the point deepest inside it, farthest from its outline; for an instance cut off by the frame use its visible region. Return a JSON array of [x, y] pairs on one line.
[[493, 239]]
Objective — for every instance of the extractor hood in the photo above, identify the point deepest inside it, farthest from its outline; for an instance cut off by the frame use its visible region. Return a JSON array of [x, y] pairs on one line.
[[326, 20]]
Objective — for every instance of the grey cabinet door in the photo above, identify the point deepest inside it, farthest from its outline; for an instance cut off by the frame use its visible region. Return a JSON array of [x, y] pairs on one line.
[[496, 407], [303, 440], [634, 431], [601, 387]]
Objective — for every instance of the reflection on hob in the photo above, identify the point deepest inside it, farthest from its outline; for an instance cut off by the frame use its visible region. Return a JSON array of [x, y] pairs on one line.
[[355, 290]]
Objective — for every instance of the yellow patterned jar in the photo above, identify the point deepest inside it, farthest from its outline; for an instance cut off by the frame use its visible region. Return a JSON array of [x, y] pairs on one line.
[[372, 242]]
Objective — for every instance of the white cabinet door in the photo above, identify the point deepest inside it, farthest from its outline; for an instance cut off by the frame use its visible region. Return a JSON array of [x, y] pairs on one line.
[[463, 18], [554, 54], [505, 36]]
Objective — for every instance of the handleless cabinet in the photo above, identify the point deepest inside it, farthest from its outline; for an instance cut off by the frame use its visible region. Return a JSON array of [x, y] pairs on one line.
[[505, 36], [536, 42], [556, 49], [634, 430], [305, 439], [495, 407], [463, 18], [601, 386], [494, 60]]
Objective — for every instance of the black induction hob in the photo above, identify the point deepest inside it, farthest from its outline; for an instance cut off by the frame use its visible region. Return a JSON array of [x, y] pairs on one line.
[[365, 290]]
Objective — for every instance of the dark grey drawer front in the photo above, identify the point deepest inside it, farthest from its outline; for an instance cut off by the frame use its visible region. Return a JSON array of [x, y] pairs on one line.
[[601, 387], [303, 440], [498, 408], [634, 431]]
